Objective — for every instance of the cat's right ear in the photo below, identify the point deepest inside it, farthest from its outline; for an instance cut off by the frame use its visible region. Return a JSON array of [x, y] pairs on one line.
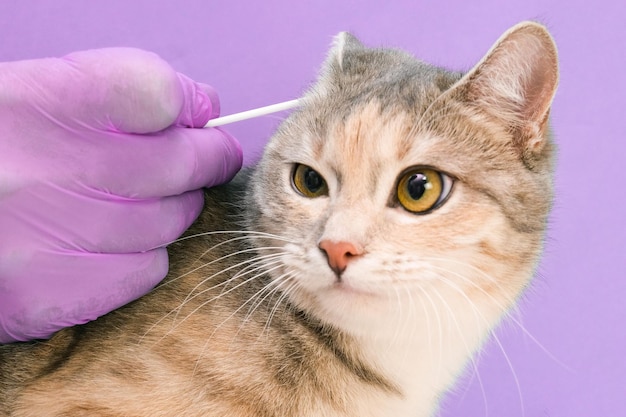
[[340, 62], [343, 45]]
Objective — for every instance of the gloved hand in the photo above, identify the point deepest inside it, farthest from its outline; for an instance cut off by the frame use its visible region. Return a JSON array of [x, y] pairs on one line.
[[98, 171]]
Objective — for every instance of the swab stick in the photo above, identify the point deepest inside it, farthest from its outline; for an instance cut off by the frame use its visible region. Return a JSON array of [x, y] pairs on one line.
[[249, 114]]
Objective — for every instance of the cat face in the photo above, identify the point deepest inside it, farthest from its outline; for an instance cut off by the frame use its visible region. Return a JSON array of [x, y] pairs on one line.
[[397, 182]]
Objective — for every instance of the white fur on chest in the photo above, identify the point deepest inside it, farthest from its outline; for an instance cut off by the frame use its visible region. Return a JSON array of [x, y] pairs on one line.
[[424, 356]]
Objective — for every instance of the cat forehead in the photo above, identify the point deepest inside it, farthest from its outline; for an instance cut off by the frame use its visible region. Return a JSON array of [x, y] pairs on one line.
[[366, 137], [372, 140]]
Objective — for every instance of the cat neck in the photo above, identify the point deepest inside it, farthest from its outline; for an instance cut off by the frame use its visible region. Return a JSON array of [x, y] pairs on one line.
[[425, 353]]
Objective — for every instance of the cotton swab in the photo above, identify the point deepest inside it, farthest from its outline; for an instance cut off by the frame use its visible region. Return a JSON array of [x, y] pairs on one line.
[[249, 114]]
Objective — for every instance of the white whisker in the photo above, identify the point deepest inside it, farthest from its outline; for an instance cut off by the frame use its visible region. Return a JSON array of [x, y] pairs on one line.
[[248, 233], [210, 300], [284, 294], [252, 261], [439, 328], [506, 308], [274, 283], [469, 351], [247, 261]]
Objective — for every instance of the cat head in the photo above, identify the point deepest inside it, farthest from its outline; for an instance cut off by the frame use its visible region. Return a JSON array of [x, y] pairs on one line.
[[397, 180]]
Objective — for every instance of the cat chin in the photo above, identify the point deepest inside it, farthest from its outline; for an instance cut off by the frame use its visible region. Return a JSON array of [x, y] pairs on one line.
[[356, 310], [348, 291]]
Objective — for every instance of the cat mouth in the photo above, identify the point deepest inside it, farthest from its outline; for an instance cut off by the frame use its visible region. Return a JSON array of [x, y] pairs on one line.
[[343, 287]]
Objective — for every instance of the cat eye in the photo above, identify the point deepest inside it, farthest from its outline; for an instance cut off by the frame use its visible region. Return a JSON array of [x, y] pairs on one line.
[[308, 181], [421, 190]]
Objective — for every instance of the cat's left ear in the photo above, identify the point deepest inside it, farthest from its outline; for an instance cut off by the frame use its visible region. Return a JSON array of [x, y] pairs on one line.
[[515, 83]]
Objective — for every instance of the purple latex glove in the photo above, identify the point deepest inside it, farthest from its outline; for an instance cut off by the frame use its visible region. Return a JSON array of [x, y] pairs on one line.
[[98, 171]]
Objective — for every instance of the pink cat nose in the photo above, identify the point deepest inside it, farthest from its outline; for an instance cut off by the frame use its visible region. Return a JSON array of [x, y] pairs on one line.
[[339, 254]]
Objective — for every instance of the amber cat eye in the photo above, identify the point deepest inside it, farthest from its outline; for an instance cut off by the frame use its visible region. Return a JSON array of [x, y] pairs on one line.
[[422, 189], [308, 181]]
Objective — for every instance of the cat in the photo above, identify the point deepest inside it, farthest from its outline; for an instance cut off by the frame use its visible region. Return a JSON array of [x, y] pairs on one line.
[[392, 221]]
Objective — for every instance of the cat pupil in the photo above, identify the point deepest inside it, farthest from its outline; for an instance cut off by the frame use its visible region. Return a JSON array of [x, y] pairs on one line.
[[312, 180], [417, 185]]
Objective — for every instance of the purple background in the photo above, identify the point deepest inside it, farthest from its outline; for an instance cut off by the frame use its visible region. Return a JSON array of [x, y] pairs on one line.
[[571, 358]]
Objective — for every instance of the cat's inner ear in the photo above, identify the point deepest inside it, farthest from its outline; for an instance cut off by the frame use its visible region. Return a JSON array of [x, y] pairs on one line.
[[516, 82]]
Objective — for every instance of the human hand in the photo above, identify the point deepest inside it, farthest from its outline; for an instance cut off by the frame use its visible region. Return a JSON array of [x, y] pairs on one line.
[[98, 171]]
